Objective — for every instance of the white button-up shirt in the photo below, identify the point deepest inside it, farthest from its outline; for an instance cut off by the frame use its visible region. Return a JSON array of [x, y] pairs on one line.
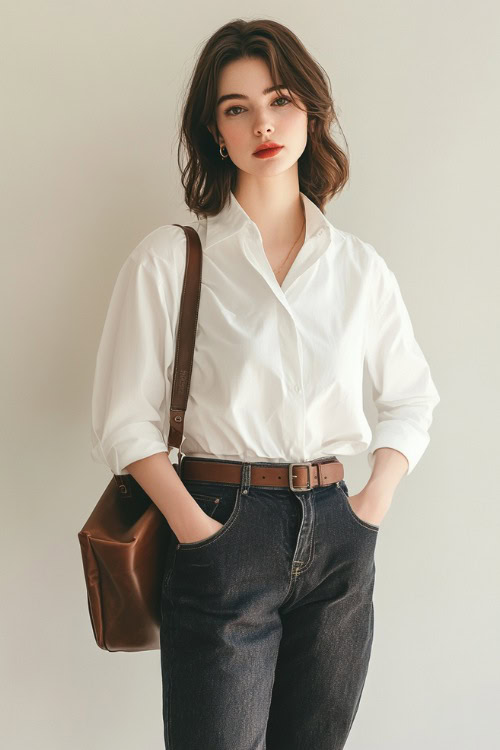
[[278, 370]]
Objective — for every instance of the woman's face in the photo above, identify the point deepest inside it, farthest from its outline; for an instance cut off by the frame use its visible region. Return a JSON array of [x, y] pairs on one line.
[[256, 117]]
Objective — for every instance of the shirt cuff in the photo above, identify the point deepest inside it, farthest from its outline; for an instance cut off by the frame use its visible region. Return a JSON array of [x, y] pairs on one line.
[[133, 442], [403, 437]]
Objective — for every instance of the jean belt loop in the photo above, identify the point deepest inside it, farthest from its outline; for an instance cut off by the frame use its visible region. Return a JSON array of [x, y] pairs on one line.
[[246, 478]]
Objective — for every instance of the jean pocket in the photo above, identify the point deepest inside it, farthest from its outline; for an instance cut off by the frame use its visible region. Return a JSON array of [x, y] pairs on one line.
[[222, 504], [345, 495], [208, 503]]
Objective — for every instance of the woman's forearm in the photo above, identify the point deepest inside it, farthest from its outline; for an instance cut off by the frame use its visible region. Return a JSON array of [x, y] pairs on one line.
[[160, 481], [374, 500], [389, 468]]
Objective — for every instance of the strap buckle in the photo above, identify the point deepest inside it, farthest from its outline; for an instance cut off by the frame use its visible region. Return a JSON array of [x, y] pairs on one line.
[[291, 476]]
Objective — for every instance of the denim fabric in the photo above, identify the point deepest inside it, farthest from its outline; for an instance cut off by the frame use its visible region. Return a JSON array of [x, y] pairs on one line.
[[267, 625]]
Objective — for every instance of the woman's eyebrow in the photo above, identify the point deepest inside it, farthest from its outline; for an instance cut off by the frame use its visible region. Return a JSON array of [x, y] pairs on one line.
[[242, 96]]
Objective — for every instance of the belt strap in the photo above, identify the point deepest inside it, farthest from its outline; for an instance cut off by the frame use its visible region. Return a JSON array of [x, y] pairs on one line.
[[298, 477]]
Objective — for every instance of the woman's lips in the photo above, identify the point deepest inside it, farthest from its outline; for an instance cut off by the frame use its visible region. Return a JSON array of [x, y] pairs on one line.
[[265, 153]]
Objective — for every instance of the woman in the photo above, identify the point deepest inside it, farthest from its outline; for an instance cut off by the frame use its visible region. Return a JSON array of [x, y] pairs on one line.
[[267, 611]]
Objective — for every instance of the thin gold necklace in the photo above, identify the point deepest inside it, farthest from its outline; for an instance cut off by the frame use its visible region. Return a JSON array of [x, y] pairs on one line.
[[298, 238]]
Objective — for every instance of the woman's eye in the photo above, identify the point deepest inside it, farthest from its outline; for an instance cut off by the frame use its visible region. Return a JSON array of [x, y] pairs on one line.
[[235, 106], [228, 111]]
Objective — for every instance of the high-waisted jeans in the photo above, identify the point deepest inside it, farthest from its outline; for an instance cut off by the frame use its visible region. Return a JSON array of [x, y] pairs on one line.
[[267, 625]]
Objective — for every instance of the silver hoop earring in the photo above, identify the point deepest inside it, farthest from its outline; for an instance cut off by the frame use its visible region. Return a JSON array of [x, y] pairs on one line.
[[224, 156]]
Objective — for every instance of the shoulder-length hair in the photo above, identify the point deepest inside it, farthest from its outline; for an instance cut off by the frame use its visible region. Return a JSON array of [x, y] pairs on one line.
[[323, 168]]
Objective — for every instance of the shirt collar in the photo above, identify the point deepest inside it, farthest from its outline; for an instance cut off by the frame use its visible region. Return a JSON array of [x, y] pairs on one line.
[[233, 218]]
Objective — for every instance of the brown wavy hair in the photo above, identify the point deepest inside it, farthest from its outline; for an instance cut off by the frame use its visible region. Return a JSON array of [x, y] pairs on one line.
[[323, 168]]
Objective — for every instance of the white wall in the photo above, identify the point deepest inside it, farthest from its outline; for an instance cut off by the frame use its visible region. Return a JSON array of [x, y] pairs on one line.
[[90, 98]]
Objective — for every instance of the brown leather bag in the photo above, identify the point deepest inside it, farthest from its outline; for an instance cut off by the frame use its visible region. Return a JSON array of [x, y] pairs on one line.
[[124, 541]]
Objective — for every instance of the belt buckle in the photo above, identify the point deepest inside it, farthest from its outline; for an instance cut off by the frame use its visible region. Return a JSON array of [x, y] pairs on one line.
[[291, 475]]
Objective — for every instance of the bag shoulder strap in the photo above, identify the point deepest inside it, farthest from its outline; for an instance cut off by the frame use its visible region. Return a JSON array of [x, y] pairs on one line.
[[186, 335], [184, 351]]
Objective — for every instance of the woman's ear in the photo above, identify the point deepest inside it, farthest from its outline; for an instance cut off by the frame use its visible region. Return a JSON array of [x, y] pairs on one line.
[[213, 132]]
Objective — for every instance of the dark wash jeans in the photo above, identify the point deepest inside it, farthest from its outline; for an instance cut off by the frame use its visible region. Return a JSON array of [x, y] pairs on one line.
[[267, 625]]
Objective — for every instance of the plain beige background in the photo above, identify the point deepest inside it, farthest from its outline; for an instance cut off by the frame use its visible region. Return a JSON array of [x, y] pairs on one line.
[[90, 98]]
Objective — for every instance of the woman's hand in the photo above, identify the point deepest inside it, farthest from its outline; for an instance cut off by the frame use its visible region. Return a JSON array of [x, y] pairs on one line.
[[370, 505], [201, 528]]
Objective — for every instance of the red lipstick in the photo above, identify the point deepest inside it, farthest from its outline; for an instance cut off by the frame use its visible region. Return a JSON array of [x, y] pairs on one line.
[[267, 149]]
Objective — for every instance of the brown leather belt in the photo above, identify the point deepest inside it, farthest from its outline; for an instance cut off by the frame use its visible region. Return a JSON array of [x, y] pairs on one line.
[[298, 477]]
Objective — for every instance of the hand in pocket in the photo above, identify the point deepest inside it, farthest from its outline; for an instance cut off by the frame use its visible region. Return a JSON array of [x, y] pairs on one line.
[[368, 507], [201, 527]]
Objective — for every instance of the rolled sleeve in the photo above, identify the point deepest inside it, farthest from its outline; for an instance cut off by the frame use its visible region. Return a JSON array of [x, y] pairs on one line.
[[402, 387], [131, 391]]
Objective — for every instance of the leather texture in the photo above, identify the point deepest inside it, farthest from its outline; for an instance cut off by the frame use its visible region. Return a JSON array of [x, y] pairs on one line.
[[124, 541], [319, 474]]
